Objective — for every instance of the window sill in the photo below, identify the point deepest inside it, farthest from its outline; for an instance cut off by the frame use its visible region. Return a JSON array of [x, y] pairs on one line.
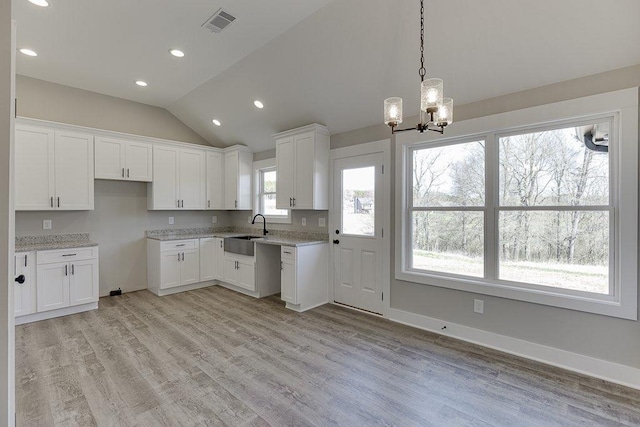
[[603, 305]]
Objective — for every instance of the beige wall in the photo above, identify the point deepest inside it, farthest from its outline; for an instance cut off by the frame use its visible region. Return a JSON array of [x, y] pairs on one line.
[[120, 218], [43, 100], [118, 224], [602, 337]]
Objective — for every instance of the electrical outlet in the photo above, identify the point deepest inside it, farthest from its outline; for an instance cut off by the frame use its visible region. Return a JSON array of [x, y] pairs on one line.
[[172, 220], [304, 221], [214, 219], [322, 222], [478, 306], [46, 224]]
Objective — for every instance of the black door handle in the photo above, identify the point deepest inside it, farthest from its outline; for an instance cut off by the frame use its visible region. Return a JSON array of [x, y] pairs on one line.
[[20, 279], [336, 242]]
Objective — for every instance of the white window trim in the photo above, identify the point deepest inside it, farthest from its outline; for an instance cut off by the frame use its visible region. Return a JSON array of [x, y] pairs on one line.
[[623, 106], [258, 167]]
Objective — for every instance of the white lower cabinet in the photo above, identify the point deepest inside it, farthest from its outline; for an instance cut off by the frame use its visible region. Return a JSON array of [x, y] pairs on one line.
[[304, 276], [64, 279], [240, 271], [172, 266], [207, 259], [24, 295], [218, 258]]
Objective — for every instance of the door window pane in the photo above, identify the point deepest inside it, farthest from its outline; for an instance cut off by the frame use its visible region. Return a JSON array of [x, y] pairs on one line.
[[452, 175], [556, 167], [448, 242], [358, 201], [562, 249]]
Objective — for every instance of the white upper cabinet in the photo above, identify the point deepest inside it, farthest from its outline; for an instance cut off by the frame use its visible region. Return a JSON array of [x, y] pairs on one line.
[[123, 160], [179, 179], [302, 161], [54, 169], [215, 181], [238, 165]]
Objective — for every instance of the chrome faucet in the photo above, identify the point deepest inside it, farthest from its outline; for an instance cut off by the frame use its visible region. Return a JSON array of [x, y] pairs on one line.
[[264, 223]]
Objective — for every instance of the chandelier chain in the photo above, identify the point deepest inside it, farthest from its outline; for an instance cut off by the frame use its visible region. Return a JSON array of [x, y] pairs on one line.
[[422, 71]]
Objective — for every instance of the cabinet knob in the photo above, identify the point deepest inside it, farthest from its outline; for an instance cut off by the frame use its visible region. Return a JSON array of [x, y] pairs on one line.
[[20, 279]]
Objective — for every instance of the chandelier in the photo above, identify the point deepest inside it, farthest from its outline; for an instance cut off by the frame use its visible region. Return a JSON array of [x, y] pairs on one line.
[[436, 112]]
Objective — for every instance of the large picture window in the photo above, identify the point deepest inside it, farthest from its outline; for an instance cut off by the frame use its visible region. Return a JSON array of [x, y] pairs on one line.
[[265, 190], [542, 213]]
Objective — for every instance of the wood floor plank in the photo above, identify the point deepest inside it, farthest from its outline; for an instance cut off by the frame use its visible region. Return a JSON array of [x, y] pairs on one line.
[[215, 357]]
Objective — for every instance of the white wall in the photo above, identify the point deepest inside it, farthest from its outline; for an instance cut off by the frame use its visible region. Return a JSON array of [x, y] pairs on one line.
[[7, 346], [602, 337]]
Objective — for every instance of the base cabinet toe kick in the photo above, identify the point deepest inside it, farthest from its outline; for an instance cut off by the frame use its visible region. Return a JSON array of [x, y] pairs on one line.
[[298, 274]]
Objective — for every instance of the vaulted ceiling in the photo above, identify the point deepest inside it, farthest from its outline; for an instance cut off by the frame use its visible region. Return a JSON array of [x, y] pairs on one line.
[[331, 62]]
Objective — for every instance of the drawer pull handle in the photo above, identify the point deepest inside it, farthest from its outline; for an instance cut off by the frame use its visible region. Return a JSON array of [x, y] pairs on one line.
[[183, 244], [69, 254]]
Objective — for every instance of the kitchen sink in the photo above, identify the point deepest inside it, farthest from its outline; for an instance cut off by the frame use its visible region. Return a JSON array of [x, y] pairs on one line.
[[241, 245]]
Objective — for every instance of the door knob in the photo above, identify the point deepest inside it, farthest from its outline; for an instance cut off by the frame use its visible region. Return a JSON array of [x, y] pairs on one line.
[[20, 279], [336, 242]]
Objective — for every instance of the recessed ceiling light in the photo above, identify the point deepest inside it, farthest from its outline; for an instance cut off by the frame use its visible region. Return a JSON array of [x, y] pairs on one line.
[[141, 83], [177, 53], [41, 3], [28, 52], [216, 122], [258, 104]]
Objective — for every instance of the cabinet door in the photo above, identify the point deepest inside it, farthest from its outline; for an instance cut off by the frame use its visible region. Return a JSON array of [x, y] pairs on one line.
[[219, 259], [304, 170], [245, 174], [83, 282], [247, 275], [215, 176], [190, 267], [53, 286], [285, 167], [207, 259], [25, 294], [230, 271], [109, 158], [288, 281], [165, 177], [34, 185], [73, 158], [170, 269], [192, 179], [139, 164], [231, 181]]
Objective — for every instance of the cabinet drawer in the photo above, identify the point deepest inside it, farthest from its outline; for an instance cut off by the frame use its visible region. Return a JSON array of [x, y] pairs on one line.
[[288, 252], [67, 255], [179, 245]]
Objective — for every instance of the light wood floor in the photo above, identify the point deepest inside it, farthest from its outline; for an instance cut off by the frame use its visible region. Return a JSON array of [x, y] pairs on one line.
[[213, 356]]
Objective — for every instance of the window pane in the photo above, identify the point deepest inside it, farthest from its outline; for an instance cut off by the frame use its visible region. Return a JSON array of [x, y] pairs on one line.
[[555, 167], [449, 176], [269, 206], [358, 201], [268, 182], [564, 249], [449, 242]]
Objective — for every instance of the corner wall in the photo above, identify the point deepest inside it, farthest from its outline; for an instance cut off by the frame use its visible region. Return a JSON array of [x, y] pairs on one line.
[[601, 337]]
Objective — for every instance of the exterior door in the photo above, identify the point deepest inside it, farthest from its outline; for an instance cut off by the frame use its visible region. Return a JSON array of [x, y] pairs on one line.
[[357, 237]]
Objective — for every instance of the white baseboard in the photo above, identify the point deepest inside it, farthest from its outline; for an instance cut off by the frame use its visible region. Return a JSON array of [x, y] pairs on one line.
[[36, 317], [602, 369], [176, 290]]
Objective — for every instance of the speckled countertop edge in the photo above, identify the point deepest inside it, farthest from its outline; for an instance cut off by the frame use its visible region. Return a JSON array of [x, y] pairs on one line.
[[53, 242], [275, 237]]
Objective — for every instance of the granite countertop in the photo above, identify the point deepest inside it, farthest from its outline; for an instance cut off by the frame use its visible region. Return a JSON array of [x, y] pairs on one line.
[[53, 242], [275, 237]]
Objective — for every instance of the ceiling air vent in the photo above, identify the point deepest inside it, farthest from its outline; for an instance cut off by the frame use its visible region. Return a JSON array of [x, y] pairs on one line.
[[219, 21]]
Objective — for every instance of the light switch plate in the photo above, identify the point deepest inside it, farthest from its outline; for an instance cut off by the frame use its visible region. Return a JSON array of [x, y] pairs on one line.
[[46, 224], [304, 221], [172, 220], [322, 222], [214, 219]]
